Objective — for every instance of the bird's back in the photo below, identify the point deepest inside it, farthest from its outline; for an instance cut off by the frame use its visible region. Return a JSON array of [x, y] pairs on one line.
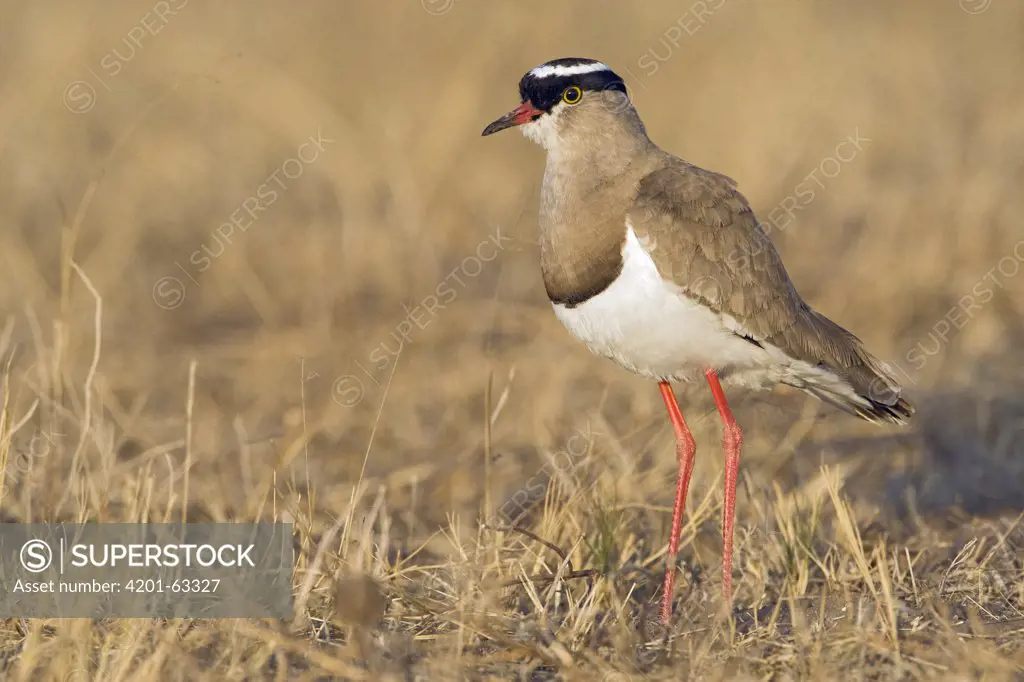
[[704, 238]]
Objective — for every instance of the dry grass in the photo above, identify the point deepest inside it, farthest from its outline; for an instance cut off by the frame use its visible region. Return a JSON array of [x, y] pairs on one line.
[[862, 552]]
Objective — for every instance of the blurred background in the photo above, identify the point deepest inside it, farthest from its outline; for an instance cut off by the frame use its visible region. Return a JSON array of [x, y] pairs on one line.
[[256, 262], [298, 200]]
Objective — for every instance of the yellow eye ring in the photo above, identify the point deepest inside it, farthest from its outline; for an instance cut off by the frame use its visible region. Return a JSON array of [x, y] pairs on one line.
[[572, 95]]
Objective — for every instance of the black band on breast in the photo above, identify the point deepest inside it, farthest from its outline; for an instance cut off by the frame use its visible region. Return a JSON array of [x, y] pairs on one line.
[[573, 299]]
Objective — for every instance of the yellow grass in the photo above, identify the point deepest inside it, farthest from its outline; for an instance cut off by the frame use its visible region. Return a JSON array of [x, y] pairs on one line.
[[152, 370]]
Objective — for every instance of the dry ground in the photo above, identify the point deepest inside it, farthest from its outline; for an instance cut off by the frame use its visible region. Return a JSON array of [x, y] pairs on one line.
[[863, 552]]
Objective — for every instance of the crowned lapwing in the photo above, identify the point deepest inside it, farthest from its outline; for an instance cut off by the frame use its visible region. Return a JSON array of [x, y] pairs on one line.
[[662, 267]]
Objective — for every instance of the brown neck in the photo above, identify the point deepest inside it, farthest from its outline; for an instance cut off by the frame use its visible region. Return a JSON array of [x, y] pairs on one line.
[[590, 181]]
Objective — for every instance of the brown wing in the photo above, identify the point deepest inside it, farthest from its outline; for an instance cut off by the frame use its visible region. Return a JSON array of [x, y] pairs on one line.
[[702, 235]]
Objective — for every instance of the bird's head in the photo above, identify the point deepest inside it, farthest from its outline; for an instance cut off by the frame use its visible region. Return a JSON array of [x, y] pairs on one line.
[[565, 98]]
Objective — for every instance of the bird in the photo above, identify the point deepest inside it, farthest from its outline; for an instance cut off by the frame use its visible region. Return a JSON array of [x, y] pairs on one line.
[[662, 266]]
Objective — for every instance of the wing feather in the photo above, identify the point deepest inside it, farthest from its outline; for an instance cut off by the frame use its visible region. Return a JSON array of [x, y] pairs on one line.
[[703, 236]]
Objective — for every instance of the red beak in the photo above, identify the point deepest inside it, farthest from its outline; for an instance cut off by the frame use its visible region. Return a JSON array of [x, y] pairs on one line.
[[524, 113]]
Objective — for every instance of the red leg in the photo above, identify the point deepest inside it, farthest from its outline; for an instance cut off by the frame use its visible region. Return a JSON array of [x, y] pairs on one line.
[[733, 438], [685, 450]]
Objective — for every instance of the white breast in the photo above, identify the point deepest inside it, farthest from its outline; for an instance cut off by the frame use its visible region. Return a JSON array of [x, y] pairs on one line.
[[648, 326]]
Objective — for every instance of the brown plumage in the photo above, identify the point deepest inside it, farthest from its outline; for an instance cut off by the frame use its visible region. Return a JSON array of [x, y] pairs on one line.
[[703, 236], [662, 267]]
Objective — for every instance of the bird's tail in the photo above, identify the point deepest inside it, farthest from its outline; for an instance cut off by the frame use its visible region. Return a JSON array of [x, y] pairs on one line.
[[834, 390], [846, 375]]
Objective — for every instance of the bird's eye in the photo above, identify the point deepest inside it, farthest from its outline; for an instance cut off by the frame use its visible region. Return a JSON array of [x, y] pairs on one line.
[[572, 95]]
